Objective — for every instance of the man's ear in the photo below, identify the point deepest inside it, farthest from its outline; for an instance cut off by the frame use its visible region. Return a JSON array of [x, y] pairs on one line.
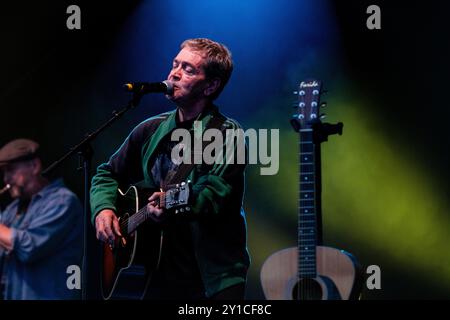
[[212, 87]]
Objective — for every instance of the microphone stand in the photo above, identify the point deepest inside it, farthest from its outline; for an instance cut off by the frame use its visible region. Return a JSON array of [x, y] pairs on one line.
[[85, 152]]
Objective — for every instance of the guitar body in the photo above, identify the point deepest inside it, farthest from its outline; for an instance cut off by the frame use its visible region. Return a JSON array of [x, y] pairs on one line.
[[130, 262], [337, 276], [127, 267]]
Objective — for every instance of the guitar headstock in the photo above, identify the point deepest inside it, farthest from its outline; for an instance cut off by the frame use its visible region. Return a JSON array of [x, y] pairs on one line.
[[308, 104], [177, 197]]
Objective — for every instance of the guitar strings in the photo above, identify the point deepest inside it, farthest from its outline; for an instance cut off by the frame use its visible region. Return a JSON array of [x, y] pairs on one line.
[[140, 214]]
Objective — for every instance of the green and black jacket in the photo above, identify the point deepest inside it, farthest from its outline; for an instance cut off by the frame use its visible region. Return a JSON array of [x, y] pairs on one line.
[[218, 226]]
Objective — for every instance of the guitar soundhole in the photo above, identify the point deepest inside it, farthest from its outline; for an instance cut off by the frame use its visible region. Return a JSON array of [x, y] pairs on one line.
[[307, 289]]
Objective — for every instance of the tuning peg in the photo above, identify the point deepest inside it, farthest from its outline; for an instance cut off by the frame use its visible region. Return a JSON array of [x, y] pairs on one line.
[[299, 104], [322, 116], [323, 104], [188, 208], [295, 92], [181, 210]]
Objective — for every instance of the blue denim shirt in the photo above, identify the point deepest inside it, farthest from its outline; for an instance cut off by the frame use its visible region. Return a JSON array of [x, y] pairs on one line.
[[46, 241]]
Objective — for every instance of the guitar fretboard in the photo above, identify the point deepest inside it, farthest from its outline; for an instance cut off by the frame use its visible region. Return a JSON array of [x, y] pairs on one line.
[[129, 225], [133, 222], [307, 235]]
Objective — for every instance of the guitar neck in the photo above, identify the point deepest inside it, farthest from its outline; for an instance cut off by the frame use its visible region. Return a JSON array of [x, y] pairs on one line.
[[129, 225], [307, 212]]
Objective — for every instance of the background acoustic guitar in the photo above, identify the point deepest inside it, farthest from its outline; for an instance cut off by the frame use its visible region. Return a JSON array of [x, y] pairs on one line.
[[310, 271]]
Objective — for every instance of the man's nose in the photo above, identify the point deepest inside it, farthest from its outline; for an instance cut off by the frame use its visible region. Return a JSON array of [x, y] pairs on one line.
[[175, 74], [174, 77]]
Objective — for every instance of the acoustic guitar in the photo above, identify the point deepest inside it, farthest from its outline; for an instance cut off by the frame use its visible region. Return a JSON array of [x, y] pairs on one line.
[[129, 263], [310, 271]]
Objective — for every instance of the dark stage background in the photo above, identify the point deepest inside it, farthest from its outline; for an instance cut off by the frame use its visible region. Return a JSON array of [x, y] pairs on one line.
[[386, 179]]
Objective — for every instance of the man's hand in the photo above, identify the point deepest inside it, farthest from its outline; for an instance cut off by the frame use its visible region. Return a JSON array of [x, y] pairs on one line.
[[107, 226], [156, 213], [6, 237]]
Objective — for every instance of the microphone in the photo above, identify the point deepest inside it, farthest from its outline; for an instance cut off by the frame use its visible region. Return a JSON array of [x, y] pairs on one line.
[[149, 87]]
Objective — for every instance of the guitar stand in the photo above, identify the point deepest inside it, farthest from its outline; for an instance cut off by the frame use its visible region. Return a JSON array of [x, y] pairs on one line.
[[323, 130]]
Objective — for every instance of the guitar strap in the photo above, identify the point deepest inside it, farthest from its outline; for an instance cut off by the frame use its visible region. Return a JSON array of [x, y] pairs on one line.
[[184, 169]]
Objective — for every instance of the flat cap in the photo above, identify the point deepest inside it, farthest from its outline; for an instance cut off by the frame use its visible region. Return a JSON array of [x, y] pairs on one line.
[[17, 150]]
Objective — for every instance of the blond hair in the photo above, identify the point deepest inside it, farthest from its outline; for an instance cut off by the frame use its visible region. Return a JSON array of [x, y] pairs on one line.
[[218, 60]]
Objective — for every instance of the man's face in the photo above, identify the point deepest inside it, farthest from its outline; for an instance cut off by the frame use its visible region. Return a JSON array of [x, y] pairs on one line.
[[18, 175], [188, 77]]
